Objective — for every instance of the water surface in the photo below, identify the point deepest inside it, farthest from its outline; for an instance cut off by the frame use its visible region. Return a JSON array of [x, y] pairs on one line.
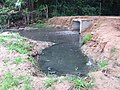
[[65, 57]]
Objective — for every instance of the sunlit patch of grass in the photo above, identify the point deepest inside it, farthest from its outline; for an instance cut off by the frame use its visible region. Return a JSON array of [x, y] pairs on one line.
[[10, 82], [18, 60], [20, 46], [26, 83], [49, 82], [102, 63], [86, 38], [80, 82], [31, 59]]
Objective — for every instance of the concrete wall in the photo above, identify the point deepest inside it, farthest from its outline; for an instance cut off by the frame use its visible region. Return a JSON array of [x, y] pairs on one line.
[[75, 25], [85, 24], [81, 24]]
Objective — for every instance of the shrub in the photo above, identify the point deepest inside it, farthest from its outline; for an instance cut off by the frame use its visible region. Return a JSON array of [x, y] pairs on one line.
[[86, 38]]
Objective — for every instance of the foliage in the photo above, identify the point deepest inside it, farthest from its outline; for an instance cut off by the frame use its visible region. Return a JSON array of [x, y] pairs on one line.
[[31, 59], [113, 50], [45, 8], [39, 23], [1, 40], [18, 43], [26, 83], [20, 46], [18, 60], [81, 83], [49, 82], [86, 38], [9, 81], [102, 63]]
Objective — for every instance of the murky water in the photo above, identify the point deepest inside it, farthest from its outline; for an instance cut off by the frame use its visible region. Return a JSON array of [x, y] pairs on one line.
[[65, 57]]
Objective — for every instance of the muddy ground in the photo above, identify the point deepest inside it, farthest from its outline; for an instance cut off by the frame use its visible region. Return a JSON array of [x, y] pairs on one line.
[[104, 46]]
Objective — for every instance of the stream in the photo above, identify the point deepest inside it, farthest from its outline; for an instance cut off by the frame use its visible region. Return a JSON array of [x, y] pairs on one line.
[[65, 57]]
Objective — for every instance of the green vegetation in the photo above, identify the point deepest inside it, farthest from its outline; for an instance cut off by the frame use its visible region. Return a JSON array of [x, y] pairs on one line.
[[10, 82], [18, 43], [1, 40], [86, 38], [33, 10], [118, 77], [102, 63], [39, 23], [26, 83], [18, 60], [81, 83], [20, 46], [31, 59], [113, 50], [49, 82]]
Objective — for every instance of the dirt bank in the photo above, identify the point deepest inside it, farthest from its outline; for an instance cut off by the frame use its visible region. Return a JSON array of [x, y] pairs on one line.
[[104, 46], [17, 63]]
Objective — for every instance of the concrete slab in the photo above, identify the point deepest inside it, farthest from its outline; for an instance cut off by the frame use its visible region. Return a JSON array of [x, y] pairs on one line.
[[81, 24]]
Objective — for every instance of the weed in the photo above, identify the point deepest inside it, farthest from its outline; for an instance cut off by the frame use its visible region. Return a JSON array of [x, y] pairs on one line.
[[31, 59], [49, 82], [1, 40], [86, 38], [113, 50], [8, 81], [26, 83], [19, 46], [39, 23], [80, 83], [102, 63], [18, 43], [18, 60]]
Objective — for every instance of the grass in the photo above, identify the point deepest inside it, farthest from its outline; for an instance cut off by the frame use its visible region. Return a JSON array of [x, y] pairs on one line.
[[31, 59], [10, 82], [118, 77], [113, 50], [102, 63], [39, 23], [15, 42], [49, 82], [18, 60], [26, 83], [1, 40], [80, 83], [86, 38], [20, 46]]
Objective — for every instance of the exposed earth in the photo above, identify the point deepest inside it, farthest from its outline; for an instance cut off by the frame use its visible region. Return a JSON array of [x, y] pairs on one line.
[[104, 45]]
